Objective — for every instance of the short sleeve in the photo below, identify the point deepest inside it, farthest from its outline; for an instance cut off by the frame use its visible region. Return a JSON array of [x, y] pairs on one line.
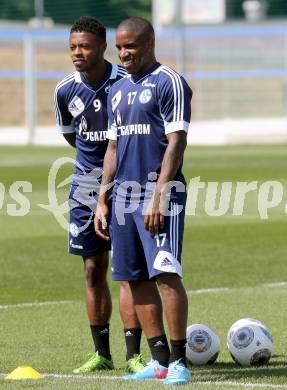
[[175, 101], [64, 119]]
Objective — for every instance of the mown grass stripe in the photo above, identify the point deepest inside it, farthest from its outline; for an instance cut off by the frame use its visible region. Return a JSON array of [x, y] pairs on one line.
[[191, 292]]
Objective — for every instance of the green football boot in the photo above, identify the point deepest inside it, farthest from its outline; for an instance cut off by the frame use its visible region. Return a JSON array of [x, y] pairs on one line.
[[95, 362], [135, 364]]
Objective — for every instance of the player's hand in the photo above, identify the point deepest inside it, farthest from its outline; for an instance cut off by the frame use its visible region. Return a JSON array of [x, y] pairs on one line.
[[100, 221], [154, 218]]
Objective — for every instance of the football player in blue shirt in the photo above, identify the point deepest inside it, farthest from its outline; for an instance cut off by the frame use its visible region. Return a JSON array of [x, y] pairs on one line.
[[81, 115], [149, 115]]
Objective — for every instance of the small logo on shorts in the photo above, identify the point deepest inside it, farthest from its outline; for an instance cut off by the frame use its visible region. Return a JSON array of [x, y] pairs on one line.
[[166, 262], [75, 246], [74, 230]]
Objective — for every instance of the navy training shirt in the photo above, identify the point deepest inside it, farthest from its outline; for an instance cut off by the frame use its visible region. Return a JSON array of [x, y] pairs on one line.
[[142, 112], [81, 108]]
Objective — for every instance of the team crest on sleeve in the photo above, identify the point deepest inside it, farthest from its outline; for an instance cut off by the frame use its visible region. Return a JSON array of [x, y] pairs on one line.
[[116, 100], [76, 106], [145, 96]]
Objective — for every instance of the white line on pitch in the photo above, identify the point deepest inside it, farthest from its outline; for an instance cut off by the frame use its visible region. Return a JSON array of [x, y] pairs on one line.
[[247, 385], [276, 284], [198, 291], [226, 289], [83, 377], [200, 383], [34, 304], [208, 290]]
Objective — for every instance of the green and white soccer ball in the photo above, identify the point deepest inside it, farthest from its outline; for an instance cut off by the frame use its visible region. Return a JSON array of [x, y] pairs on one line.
[[250, 342], [203, 345]]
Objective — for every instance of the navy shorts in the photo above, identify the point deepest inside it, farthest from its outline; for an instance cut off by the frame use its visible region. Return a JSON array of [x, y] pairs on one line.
[[83, 240], [137, 255]]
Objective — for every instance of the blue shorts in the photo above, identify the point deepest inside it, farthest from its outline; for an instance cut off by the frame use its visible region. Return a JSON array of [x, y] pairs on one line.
[[83, 240], [137, 255]]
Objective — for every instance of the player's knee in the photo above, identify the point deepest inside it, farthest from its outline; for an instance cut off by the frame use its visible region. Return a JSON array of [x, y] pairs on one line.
[[95, 271], [169, 282]]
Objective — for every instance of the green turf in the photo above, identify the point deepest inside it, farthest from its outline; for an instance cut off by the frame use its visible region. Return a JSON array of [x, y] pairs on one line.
[[241, 253]]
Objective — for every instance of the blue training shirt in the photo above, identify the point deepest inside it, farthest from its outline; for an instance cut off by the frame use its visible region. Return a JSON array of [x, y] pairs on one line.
[[81, 108], [142, 111]]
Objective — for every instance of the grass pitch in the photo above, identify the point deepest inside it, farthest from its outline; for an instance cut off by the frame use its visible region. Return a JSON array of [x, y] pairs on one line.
[[234, 267]]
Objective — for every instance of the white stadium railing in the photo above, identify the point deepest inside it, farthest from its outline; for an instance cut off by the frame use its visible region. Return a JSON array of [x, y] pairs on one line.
[[237, 72]]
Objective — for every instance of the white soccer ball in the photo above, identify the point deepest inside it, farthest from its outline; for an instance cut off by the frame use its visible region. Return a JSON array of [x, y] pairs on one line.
[[203, 345], [249, 342], [244, 321]]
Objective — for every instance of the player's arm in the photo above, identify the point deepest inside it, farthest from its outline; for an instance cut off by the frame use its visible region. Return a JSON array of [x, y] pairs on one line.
[[154, 219], [70, 138], [175, 108], [64, 119], [102, 211]]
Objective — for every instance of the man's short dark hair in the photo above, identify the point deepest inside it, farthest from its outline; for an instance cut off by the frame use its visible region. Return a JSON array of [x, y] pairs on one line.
[[91, 25], [139, 25]]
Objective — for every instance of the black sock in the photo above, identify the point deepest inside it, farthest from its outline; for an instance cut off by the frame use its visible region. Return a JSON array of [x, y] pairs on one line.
[[101, 337], [133, 341], [159, 349], [178, 348]]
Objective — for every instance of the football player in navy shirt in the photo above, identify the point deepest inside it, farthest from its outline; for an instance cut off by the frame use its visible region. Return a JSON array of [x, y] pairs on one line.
[[81, 115], [149, 116]]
